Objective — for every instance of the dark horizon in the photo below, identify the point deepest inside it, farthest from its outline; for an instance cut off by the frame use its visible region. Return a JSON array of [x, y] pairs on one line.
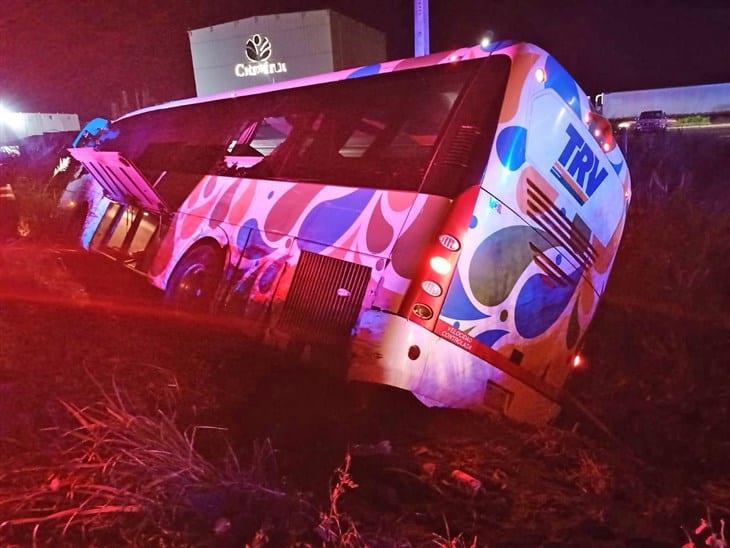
[[78, 55]]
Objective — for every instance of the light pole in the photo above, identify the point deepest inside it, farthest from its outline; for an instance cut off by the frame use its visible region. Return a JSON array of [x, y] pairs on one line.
[[421, 39]]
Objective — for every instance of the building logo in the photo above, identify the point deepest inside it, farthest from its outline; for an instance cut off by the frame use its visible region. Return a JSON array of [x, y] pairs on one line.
[[258, 48], [258, 52], [578, 169]]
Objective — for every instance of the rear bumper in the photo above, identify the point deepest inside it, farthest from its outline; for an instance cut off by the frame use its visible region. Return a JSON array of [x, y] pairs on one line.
[[440, 374]]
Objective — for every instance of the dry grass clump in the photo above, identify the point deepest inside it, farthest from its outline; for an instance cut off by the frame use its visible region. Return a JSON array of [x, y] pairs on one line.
[[336, 528], [133, 479]]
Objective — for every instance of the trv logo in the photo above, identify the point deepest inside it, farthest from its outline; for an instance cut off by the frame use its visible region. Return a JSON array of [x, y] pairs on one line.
[[578, 169]]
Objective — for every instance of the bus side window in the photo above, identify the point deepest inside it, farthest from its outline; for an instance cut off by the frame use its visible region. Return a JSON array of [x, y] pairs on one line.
[[270, 134]]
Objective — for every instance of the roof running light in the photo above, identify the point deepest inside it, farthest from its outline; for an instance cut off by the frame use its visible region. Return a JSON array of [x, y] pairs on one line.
[[540, 75], [449, 242], [440, 265], [484, 43], [453, 58]]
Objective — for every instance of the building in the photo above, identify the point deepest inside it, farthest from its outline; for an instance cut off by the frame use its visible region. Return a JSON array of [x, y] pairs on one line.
[[15, 126], [273, 48]]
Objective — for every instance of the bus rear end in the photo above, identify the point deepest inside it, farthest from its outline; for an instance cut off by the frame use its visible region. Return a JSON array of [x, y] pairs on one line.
[[509, 275]]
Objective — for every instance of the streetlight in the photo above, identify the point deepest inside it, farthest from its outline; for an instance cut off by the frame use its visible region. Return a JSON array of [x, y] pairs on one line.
[[14, 120]]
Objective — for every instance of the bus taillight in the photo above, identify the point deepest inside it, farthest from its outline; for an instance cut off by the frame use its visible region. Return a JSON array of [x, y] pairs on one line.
[[432, 288], [424, 299], [449, 242], [440, 265]]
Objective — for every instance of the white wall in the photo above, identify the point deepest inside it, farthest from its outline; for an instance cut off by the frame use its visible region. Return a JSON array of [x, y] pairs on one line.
[[36, 123], [301, 40]]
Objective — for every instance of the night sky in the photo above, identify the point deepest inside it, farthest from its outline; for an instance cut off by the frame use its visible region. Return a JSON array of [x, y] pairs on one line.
[[77, 55]]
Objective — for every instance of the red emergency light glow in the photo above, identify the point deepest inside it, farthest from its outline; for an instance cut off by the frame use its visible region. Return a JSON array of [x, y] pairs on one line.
[[440, 265]]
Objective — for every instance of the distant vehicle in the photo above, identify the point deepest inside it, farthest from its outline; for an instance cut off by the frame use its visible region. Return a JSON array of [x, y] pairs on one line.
[[707, 99], [651, 120], [450, 221]]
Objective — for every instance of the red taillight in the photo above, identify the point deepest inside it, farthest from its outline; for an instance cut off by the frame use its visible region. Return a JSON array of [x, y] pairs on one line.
[[432, 288], [440, 265], [449, 242], [422, 304]]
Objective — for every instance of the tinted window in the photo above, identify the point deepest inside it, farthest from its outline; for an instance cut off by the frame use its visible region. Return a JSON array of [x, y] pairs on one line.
[[379, 131], [188, 139]]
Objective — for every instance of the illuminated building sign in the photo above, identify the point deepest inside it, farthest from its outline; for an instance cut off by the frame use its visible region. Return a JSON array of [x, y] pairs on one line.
[[258, 51]]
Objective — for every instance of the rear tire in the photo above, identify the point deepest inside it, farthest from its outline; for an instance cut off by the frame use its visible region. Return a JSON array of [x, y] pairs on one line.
[[195, 279]]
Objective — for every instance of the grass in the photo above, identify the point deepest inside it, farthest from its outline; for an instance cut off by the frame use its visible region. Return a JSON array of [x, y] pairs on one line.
[[133, 478]]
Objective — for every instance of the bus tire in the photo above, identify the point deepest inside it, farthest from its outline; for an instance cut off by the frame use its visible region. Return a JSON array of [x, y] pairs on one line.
[[195, 279]]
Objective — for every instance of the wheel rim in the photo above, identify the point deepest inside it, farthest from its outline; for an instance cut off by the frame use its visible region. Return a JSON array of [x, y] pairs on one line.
[[194, 288]]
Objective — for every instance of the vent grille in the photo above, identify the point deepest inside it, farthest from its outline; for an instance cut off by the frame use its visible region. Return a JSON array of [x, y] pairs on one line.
[[461, 146], [324, 299], [548, 266], [572, 235]]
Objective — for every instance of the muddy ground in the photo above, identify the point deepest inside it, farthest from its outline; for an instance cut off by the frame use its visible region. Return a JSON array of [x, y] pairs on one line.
[[88, 357]]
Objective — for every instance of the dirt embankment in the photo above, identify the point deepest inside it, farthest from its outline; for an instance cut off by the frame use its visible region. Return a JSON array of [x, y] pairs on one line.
[[100, 399]]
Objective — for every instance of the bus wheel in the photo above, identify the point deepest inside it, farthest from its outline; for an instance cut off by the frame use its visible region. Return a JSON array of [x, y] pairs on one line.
[[195, 279]]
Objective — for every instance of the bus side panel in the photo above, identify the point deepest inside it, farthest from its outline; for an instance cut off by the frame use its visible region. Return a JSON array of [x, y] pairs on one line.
[[265, 225]]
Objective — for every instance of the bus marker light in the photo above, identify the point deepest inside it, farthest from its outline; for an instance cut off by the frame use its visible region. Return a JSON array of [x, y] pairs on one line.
[[423, 311], [432, 288], [453, 58], [449, 242], [540, 75], [606, 147], [440, 265]]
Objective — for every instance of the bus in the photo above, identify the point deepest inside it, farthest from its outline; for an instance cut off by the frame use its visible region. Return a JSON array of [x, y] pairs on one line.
[[447, 223]]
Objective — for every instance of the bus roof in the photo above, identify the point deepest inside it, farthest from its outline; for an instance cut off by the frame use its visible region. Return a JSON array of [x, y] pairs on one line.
[[505, 47]]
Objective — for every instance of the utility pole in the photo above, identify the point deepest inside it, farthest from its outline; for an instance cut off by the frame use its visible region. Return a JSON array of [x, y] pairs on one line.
[[420, 28]]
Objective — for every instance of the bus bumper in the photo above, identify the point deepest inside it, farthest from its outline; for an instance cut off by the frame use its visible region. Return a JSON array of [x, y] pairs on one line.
[[388, 349]]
